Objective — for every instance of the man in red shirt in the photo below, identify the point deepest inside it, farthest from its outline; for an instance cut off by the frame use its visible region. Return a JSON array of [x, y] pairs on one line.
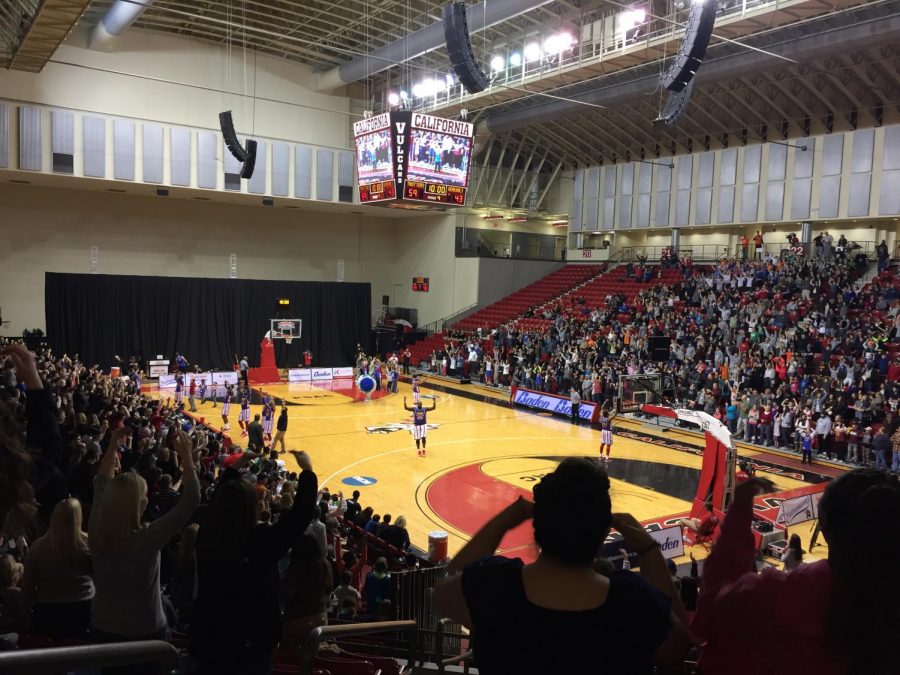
[[705, 526], [758, 243], [191, 391]]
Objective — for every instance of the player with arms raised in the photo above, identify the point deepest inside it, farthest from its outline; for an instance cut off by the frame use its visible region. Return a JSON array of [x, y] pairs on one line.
[[244, 415], [420, 423], [606, 434], [268, 415]]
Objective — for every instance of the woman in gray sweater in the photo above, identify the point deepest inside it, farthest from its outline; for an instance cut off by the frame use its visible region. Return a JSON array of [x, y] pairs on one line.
[[128, 604], [58, 583]]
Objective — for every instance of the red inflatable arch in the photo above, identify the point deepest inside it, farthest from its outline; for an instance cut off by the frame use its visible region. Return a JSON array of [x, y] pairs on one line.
[[717, 474]]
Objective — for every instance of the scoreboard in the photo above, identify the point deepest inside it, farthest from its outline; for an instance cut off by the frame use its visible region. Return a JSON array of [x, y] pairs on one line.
[[431, 192], [373, 192], [420, 284], [410, 158]]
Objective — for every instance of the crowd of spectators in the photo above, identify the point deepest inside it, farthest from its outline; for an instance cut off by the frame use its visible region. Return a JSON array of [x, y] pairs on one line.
[[781, 350], [124, 519]]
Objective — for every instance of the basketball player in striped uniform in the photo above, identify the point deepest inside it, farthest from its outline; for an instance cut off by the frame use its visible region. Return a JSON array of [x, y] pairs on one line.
[[226, 407], [417, 397], [606, 434], [202, 391], [179, 389], [244, 415], [213, 393], [268, 416], [420, 423]]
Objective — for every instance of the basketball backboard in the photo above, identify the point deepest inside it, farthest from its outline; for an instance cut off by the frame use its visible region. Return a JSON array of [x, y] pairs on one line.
[[285, 329]]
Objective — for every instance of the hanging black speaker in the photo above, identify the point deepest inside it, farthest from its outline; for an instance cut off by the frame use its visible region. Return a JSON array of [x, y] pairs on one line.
[[226, 123], [697, 33], [250, 162], [676, 104], [459, 49], [659, 347]]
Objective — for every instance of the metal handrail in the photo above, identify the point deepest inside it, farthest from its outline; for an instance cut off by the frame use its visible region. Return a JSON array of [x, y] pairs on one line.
[[439, 324], [63, 659], [311, 644], [442, 663]]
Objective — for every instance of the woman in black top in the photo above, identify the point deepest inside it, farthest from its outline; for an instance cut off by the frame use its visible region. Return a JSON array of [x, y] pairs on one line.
[[237, 620], [557, 615]]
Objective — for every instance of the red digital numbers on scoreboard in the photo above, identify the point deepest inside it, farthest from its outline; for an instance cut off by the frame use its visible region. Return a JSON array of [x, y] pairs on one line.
[[434, 192], [373, 192]]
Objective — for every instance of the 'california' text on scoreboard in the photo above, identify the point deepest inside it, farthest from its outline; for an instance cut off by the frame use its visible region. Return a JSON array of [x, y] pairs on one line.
[[407, 157]]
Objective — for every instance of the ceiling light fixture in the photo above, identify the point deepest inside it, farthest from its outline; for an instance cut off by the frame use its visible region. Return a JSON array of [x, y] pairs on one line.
[[533, 52]]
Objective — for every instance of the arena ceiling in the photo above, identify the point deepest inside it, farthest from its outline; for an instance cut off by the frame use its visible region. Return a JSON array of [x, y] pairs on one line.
[[839, 69]]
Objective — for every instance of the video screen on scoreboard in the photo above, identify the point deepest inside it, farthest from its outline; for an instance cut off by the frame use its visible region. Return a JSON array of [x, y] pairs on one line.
[[374, 157], [439, 158]]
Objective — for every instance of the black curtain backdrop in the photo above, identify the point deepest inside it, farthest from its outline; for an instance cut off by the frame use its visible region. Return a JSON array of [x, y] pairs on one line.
[[207, 320]]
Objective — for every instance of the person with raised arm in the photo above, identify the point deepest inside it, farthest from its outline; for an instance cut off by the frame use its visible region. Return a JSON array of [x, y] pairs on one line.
[[557, 614], [830, 617], [127, 604], [420, 423], [237, 573]]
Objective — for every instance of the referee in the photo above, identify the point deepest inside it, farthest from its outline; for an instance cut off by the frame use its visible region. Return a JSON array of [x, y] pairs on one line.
[[575, 400], [280, 427]]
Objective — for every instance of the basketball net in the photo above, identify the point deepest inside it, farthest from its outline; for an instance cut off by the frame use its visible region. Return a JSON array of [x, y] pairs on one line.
[[288, 338]]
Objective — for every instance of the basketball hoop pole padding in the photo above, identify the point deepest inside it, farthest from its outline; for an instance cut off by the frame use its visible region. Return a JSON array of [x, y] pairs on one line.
[[267, 373]]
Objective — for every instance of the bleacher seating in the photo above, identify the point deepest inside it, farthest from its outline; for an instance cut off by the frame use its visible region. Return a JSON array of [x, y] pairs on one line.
[[512, 306]]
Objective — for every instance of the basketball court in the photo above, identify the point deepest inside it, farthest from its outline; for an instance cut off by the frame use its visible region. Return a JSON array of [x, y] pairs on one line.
[[482, 454]]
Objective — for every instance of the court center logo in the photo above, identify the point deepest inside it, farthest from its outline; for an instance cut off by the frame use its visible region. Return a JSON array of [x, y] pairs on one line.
[[390, 428]]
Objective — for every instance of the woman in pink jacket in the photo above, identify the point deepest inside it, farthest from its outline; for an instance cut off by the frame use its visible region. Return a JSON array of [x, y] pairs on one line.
[[835, 616]]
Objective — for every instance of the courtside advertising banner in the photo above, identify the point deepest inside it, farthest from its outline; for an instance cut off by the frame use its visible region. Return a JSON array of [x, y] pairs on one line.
[[670, 541], [227, 377], [318, 374], [558, 405], [795, 510], [168, 381]]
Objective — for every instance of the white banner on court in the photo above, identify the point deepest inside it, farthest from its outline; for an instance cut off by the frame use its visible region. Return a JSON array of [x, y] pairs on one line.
[[318, 374], [815, 499], [670, 541], [795, 510], [225, 377]]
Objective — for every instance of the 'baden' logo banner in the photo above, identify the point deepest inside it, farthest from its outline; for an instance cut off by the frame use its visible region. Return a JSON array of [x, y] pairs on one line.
[[552, 404]]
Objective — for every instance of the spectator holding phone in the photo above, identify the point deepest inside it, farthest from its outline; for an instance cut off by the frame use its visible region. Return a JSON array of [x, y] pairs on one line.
[[835, 616], [557, 614]]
